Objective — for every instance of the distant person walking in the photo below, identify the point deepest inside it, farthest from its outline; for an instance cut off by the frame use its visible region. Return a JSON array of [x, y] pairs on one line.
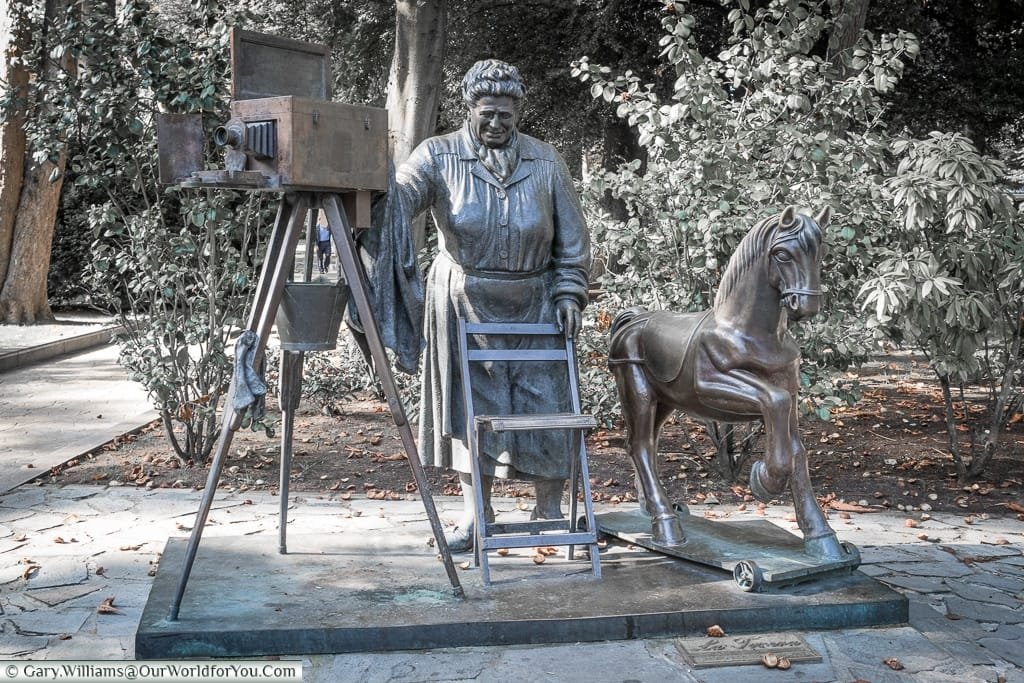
[[323, 243]]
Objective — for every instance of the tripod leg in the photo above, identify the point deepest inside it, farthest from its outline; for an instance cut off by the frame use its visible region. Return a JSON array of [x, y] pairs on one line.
[[352, 269], [270, 261], [278, 260], [291, 390]]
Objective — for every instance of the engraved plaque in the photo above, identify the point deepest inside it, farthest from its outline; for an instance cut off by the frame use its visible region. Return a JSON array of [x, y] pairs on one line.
[[743, 650]]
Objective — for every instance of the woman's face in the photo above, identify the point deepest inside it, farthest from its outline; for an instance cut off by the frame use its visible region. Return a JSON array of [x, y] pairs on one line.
[[493, 119]]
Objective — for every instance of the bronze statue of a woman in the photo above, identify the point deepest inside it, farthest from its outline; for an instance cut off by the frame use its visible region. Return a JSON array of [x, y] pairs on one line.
[[513, 247]]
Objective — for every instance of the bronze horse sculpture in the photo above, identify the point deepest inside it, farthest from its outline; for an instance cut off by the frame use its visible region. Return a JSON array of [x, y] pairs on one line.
[[737, 362]]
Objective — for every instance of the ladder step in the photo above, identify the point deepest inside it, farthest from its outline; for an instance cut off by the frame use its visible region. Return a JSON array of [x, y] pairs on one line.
[[538, 540], [512, 423], [531, 527]]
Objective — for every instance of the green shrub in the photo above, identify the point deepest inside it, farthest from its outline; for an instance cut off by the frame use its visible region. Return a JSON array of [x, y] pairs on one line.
[[949, 282]]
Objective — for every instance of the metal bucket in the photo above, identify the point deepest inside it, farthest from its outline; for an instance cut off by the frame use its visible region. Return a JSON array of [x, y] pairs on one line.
[[310, 315]]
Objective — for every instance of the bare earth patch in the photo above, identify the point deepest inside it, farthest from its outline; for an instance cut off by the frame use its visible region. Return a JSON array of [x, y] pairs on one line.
[[887, 451]]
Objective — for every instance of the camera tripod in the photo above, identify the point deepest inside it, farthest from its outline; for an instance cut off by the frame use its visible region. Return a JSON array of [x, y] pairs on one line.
[[277, 266]]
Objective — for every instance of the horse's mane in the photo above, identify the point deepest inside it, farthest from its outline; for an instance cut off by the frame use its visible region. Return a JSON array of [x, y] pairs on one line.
[[756, 242]]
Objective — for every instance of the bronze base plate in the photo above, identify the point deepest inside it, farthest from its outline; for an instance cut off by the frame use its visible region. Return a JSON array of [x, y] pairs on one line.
[[360, 590]]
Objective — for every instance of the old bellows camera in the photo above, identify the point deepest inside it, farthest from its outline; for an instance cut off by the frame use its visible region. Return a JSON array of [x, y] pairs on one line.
[[284, 133]]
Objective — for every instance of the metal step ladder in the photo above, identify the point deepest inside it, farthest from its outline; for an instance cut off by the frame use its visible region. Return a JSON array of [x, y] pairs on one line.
[[535, 533]]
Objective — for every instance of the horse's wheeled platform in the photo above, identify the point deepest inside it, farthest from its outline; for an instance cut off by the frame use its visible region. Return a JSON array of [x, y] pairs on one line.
[[759, 554]]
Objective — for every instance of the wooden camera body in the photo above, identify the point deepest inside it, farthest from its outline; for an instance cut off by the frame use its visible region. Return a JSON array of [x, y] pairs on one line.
[[285, 134], [303, 143]]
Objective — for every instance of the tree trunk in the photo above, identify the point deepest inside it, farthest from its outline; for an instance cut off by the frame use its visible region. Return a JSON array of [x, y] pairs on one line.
[[13, 39], [951, 435], [850, 16], [621, 144], [23, 297], [416, 78], [23, 300]]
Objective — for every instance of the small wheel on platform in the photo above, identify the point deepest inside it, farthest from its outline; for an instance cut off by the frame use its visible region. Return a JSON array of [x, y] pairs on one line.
[[748, 576]]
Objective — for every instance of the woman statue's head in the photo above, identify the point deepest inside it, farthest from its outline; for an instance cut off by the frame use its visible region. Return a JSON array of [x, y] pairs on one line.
[[493, 91]]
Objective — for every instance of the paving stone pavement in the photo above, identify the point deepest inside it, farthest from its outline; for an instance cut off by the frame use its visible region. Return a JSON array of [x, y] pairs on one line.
[[64, 550]]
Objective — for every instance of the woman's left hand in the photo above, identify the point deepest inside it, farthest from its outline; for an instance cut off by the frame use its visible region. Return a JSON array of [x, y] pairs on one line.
[[569, 317]]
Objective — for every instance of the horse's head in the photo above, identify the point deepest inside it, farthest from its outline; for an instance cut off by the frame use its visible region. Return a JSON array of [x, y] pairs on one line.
[[794, 261]]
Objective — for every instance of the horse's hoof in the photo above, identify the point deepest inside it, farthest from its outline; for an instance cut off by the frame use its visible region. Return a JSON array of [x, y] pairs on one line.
[[826, 548], [758, 475], [667, 530]]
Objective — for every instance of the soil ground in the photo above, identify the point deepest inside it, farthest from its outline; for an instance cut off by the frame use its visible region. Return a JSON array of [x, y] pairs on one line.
[[888, 451]]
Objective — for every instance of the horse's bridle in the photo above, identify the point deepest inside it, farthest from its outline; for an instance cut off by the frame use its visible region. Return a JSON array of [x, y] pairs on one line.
[[786, 292]]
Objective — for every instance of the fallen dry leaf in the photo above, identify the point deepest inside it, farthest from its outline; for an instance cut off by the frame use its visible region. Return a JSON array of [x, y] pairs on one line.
[[107, 607], [502, 551], [1016, 507], [64, 636], [910, 523], [30, 569], [715, 631], [465, 565], [893, 663], [784, 663], [131, 547], [769, 660], [538, 558]]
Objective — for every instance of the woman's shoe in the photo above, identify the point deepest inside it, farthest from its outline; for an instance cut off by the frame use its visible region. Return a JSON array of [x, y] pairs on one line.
[[460, 539]]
